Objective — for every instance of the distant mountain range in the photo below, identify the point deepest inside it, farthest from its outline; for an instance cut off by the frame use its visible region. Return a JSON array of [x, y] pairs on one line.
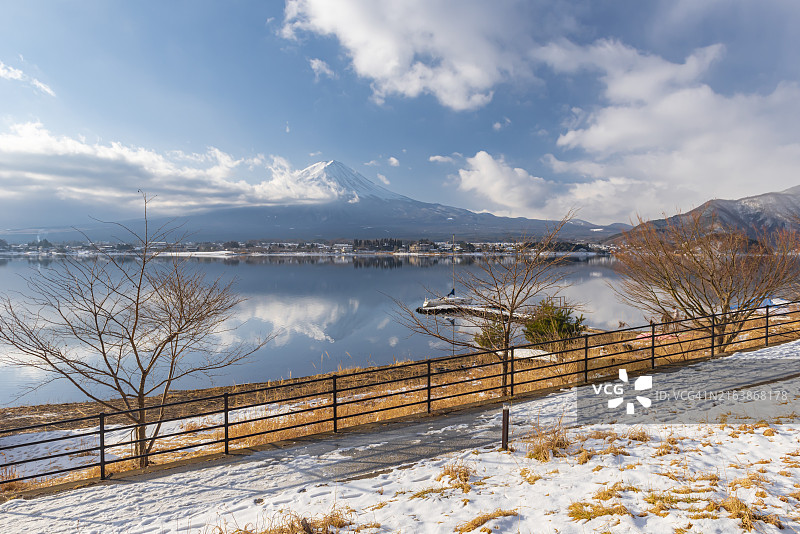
[[755, 215], [355, 208], [760, 213]]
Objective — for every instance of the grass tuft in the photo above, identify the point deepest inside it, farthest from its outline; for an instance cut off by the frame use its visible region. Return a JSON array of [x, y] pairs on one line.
[[639, 434], [613, 492], [458, 472], [585, 455], [545, 443], [9, 473], [588, 511], [529, 476], [482, 519], [615, 450], [740, 510], [749, 481], [289, 522]]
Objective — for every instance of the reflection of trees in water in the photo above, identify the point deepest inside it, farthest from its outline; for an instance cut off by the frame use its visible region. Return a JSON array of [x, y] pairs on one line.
[[40, 262], [293, 260], [377, 262]]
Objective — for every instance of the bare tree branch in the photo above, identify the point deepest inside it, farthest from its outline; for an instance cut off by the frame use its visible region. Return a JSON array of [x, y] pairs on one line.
[[124, 327], [503, 291], [693, 268]]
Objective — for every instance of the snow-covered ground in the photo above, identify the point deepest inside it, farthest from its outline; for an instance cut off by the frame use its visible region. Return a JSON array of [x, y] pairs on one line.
[[740, 465]]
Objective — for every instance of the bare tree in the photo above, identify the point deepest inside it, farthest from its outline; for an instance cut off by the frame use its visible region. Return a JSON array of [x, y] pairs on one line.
[[696, 267], [123, 328], [499, 295]]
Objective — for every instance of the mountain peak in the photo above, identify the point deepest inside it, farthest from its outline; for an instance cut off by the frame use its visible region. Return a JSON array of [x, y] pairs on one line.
[[346, 183]]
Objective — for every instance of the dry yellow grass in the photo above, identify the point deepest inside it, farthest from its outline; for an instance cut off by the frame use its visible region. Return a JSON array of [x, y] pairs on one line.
[[9, 473], [458, 473], [454, 475], [604, 435], [740, 510], [406, 393], [585, 455], [666, 448], [613, 492], [289, 522], [588, 511], [482, 519], [638, 434], [529, 476], [749, 481], [615, 450], [545, 442]]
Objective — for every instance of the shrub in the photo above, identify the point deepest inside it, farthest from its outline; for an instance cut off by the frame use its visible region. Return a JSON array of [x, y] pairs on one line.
[[553, 323]]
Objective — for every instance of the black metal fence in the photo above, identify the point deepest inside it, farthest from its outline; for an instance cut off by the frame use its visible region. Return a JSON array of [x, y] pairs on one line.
[[107, 442]]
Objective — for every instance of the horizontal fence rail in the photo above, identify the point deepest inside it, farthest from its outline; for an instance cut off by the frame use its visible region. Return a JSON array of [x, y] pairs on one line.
[[98, 445]]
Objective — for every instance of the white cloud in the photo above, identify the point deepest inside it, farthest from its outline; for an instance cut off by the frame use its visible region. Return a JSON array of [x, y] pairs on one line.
[[505, 186], [456, 50], [499, 125], [315, 154], [42, 87], [310, 317], [10, 73], [383, 179], [288, 130], [393, 161], [441, 159], [320, 69], [372, 163], [515, 192], [665, 139], [37, 166]]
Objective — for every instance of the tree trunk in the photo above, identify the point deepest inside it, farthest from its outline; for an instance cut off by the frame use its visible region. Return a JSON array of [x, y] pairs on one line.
[[506, 345], [141, 435]]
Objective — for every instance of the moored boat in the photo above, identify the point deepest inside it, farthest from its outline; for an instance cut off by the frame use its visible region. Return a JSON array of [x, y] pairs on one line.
[[448, 300]]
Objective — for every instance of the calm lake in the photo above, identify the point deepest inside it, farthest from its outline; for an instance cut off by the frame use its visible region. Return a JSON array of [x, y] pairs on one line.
[[327, 312]]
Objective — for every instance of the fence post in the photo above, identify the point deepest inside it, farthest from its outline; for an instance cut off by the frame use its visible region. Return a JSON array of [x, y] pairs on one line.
[[504, 431], [766, 329], [429, 386], [227, 437], [585, 357], [102, 446], [335, 407], [652, 346], [512, 371], [713, 331]]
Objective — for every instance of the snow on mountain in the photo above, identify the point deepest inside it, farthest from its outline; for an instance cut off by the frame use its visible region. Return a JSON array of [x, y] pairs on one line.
[[348, 205], [344, 182], [329, 200], [760, 213]]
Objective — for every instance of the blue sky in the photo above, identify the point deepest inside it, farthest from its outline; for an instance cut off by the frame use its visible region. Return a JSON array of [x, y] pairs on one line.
[[518, 108]]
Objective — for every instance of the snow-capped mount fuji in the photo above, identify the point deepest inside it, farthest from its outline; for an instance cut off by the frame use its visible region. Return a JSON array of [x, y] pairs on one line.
[[344, 204], [331, 201], [343, 182]]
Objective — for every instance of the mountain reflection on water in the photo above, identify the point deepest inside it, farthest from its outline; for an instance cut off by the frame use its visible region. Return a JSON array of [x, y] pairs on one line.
[[328, 312]]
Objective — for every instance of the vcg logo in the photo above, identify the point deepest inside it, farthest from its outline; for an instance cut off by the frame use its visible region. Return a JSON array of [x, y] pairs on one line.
[[618, 391]]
